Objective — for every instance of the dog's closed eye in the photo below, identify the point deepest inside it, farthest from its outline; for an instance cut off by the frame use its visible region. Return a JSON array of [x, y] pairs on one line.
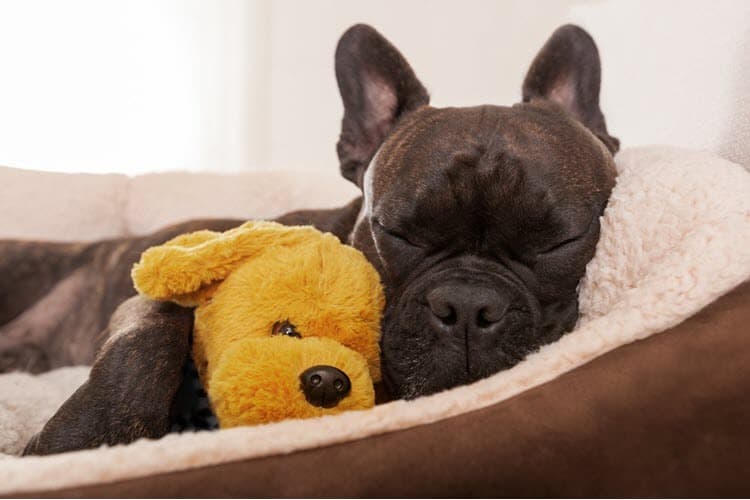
[[378, 226], [562, 245], [570, 242]]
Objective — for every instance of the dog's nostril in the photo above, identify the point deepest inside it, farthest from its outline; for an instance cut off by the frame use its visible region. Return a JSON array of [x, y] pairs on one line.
[[482, 321], [448, 319], [442, 309], [489, 316]]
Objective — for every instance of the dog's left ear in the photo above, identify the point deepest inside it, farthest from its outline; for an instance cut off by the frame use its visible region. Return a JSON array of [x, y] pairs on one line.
[[567, 71], [378, 87]]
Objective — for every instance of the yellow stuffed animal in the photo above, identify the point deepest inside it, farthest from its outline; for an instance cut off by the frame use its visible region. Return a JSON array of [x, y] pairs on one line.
[[287, 319]]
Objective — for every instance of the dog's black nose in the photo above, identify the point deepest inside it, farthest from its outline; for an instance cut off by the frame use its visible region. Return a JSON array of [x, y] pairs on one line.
[[459, 308], [324, 385]]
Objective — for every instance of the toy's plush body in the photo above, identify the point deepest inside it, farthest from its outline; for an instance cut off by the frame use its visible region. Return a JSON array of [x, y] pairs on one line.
[[287, 319]]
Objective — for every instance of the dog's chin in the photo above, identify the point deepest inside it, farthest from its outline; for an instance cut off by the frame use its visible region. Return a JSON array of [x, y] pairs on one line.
[[418, 361]]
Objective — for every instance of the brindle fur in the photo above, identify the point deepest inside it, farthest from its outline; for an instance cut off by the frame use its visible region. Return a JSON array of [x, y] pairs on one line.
[[128, 394]]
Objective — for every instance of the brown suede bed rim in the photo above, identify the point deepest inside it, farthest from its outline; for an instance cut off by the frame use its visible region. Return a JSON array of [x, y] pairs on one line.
[[665, 416]]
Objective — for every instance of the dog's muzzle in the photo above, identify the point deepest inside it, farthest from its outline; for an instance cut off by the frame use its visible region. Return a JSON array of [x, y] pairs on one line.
[[455, 325]]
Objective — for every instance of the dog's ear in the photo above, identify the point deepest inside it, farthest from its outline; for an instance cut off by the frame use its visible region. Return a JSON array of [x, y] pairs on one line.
[[186, 269], [378, 87], [567, 70]]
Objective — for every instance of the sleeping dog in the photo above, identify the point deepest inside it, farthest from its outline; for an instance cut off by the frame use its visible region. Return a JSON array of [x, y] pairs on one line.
[[480, 221]]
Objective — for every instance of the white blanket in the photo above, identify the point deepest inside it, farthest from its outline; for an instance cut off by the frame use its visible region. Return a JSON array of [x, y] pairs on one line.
[[675, 237], [28, 401]]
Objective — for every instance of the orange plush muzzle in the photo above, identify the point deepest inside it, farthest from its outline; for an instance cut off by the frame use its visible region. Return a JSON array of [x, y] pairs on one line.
[[261, 380]]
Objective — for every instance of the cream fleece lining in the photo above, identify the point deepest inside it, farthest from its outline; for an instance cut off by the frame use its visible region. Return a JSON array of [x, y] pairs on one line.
[[675, 237]]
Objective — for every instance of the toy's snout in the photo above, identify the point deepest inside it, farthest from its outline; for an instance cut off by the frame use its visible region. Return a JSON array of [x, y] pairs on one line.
[[261, 380], [324, 386]]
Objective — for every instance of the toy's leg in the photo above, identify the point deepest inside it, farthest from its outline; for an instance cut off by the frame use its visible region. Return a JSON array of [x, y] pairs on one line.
[[132, 383]]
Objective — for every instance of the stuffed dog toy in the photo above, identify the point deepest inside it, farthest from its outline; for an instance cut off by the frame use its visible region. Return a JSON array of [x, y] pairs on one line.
[[287, 319]]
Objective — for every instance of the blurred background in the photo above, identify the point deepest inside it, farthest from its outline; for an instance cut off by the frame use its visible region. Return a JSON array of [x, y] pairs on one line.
[[234, 85]]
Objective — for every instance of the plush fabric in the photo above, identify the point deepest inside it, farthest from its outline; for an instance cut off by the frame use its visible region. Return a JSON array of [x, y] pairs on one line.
[[245, 282], [28, 401], [675, 237], [258, 380], [90, 207], [86, 206]]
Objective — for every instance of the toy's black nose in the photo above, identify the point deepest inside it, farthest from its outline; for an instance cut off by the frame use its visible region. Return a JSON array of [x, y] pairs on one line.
[[324, 386]]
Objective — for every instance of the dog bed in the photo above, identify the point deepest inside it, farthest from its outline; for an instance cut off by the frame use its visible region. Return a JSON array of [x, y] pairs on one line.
[[611, 409]]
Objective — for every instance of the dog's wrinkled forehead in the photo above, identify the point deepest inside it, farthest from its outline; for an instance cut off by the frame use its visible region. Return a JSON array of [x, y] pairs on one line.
[[485, 154]]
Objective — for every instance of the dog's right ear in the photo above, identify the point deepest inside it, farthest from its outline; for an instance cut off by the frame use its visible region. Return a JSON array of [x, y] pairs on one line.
[[378, 87]]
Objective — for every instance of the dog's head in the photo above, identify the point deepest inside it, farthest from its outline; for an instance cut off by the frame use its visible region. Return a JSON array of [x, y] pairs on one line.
[[480, 220]]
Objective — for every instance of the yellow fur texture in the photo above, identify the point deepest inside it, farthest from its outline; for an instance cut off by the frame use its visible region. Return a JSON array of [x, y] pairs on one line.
[[246, 280], [258, 379]]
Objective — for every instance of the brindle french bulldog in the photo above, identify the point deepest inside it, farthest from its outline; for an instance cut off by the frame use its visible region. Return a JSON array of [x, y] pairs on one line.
[[480, 220]]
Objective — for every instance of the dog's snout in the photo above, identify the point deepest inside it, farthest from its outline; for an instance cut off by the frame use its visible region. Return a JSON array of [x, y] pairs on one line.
[[324, 386], [459, 308]]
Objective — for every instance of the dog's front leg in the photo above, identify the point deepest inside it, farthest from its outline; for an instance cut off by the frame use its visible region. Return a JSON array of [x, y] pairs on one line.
[[132, 383]]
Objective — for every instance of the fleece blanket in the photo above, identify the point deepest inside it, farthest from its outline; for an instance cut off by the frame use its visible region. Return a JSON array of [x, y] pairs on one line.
[[28, 401], [675, 236]]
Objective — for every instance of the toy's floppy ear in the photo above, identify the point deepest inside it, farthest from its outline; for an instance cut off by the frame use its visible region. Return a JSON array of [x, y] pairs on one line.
[[187, 268]]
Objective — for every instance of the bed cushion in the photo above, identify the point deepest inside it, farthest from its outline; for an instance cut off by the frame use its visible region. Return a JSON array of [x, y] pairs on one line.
[[156, 200], [86, 206], [28, 401], [612, 397], [100, 206], [662, 417]]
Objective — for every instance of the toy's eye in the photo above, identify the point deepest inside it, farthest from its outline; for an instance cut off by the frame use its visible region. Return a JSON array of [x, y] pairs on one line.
[[285, 328]]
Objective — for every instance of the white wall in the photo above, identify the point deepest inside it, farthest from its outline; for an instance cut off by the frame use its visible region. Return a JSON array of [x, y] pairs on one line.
[[675, 72], [133, 85], [464, 52], [139, 85]]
